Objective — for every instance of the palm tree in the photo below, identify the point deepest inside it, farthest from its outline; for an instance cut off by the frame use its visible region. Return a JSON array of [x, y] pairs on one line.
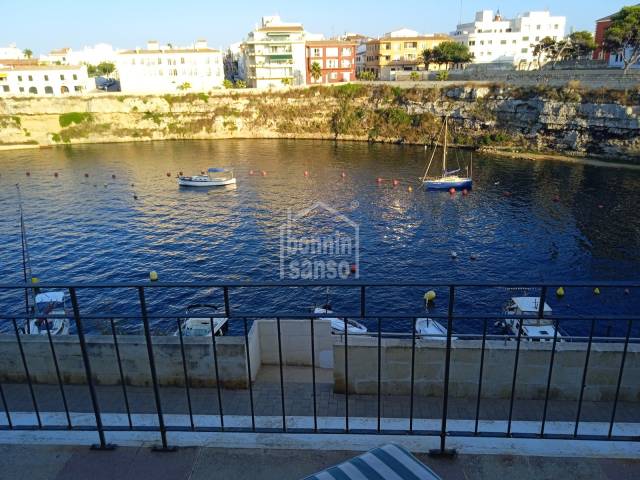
[[27, 53], [316, 71]]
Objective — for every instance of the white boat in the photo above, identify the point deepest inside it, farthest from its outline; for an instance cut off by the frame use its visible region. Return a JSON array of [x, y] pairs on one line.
[[215, 177], [523, 309], [338, 324], [201, 326], [50, 304], [447, 179], [429, 329]]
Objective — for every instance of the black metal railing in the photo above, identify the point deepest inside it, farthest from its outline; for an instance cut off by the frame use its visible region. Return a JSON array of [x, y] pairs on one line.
[[377, 426]]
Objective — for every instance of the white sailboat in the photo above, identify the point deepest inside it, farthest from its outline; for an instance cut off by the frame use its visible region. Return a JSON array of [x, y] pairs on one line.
[[215, 177], [447, 179]]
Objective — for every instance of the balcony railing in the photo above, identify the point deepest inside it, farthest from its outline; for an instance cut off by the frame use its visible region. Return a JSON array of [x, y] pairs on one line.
[[232, 363]]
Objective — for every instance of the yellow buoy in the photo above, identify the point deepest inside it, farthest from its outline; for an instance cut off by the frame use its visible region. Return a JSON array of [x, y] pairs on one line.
[[560, 292], [430, 296], [35, 279], [410, 189], [596, 291], [153, 276]]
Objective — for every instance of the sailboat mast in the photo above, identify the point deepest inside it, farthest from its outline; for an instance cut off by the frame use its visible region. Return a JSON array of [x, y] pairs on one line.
[[29, 296], [444, 154]]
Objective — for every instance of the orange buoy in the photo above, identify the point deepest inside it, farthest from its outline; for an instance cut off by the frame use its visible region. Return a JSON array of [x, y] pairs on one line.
[[306, 173], [396, 182], [379, 180], [250, 172], [452, 190], [169, 174], [264, 174]]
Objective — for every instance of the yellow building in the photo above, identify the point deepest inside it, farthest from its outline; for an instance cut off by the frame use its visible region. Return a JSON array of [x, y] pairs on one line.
[[400, 51]]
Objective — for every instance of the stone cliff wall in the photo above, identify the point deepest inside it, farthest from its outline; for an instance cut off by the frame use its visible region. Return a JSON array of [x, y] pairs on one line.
[[565, 120]]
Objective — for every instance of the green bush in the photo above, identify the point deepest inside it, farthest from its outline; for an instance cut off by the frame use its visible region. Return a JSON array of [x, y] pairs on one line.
[[67, 119], [442, 75], [414, 76]]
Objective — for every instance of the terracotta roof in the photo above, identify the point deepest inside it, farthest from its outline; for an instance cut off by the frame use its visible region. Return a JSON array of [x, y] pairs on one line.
[[144, 51]]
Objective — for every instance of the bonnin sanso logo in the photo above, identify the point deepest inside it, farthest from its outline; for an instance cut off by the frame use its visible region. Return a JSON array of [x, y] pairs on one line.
[[319, 243]]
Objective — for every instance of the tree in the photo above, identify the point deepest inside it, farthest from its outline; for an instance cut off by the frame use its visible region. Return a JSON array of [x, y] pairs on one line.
[[227, 83], [582, 44], [92, 70], [105, 69], [623, 36], [27, 53], [414, 76], [428, 57], [316, 71], [184, 86], [366, 76], [451, 53], [240, 84], [544, 50]]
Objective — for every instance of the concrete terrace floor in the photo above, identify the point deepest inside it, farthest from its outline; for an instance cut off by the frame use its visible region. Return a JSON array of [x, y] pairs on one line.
[[26, 462], [298, 393]]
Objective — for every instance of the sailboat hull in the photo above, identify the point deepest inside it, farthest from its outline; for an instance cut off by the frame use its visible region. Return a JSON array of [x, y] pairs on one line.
[[445, 184]]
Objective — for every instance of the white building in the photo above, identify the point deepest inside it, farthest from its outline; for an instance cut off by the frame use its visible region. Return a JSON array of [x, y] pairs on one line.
[[58, 80], [493, 39], [275, 53], [11, 52], [166, 69], [89, 55], [616, 60]]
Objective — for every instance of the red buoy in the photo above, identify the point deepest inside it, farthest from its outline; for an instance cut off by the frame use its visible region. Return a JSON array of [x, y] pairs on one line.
[[379, 180], [507, 194], [306, 173], [250, 172], [343, 175], [396, 182], [353, 268], [264, 174], [452, 190], [465, 191], [169, 174]]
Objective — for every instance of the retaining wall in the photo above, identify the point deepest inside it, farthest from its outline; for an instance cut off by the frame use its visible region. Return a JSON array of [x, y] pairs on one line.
[[531, 380]]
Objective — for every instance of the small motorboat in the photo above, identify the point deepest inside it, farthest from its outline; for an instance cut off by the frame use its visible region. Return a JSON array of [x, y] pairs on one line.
[[51, 313], [215, 177], [447, 179], [338, 324], [525, 310], [429, 329], [200, 326]]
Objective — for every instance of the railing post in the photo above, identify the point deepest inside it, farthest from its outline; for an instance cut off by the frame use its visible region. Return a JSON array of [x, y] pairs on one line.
[[443, 451], [87, 370], [154, 376]]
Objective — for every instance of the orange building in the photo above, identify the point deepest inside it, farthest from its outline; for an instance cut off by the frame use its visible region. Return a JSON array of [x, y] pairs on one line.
[[336, 60]]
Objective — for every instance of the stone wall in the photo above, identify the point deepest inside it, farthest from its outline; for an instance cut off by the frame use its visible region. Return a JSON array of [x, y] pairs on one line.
[[135, 361], [533, 369]]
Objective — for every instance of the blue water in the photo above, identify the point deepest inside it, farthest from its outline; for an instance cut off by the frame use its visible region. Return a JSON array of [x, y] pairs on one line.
[[93, 230]]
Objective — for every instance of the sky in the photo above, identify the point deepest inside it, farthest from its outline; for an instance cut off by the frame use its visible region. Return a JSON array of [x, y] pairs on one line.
[[42, 25]]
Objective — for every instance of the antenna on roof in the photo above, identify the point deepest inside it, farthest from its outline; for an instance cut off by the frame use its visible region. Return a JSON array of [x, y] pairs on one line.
[[460, 14]]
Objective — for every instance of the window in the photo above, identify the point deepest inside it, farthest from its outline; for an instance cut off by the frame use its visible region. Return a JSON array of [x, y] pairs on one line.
[[48, 90], [410, 45], [525, 39], [31, 78], [21, 89], [33, 90], [537, 39], [538, 27], [387, 58], [481, 42], [346, 52], [316, 52], [19, 78], [524, 50], [159, 61], [182, 60], [490, 42], [472, 43], [61, 77], [75, 77], [503, 42], [387, 46], [556, 26], [77, 88], [46, 78], [5, 88], [332, 63], [346, 63], [334, 75]]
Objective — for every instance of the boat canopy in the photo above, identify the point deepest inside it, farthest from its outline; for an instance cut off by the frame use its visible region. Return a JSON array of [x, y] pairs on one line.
[[50, 297], [530, 304], [218, 170]]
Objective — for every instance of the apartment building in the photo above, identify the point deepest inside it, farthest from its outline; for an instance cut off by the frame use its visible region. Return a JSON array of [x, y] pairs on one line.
[[494, 39], [20, 78], [89, 55], [336, 60], [11, 52], [275, 53], [165, 69], [399, 51]]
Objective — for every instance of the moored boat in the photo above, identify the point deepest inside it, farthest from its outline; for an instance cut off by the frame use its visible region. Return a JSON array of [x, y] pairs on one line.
[[201, 326], [447, 179], [215, 177], [51, 315], [525, 311], [338, 324], [429, 329]]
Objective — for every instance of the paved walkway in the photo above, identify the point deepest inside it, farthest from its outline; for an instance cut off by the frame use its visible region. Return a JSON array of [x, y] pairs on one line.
[[25, 462], [299, 401]]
